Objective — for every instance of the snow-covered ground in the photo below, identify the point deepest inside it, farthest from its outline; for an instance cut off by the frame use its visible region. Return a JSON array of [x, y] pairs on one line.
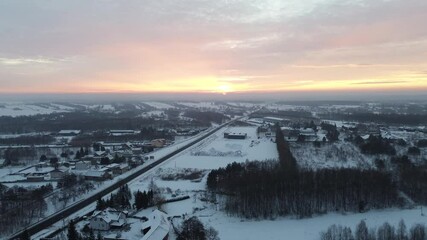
[[159, 105], [304, 229], [216, 151], [24, 109], [330, 155], [202, 105]]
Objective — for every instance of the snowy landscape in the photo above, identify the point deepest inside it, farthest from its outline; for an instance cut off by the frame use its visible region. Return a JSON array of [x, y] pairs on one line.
[[212, 136]]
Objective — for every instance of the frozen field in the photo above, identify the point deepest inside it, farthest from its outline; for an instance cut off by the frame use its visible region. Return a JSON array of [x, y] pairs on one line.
[[217, 151]]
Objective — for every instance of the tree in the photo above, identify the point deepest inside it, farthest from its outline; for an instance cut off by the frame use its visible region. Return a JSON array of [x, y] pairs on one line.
[[100, 204], [192, 229], [418, 232], [361, 231], [78, 155], [91, 235], [43, 158], [401, 233], [414, 151], [99, 236], [212, 234], [386, 232], [72, 233], [25, 235]]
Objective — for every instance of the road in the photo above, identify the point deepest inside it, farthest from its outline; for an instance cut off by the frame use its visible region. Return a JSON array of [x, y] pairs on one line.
[[58, 216]]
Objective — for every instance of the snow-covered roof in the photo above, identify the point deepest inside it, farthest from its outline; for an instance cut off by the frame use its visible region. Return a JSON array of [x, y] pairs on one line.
[[69, 132], [274, 118], [159, 226], [110, 216], [94, 174]]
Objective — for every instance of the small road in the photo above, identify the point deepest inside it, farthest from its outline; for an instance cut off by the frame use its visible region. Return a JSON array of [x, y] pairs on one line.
[[66, 212]]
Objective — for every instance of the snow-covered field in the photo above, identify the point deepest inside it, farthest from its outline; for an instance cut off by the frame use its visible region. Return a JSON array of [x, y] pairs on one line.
[[217, 151], [304, 229], [159, 105], [23, 109]]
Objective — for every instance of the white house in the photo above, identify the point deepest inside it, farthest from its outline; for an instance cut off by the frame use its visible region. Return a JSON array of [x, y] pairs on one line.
[[106, 219], [157, 227]]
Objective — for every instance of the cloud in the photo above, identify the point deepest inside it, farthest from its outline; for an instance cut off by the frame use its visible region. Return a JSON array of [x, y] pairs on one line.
[[253, 44], [23, 61], [379, 82]]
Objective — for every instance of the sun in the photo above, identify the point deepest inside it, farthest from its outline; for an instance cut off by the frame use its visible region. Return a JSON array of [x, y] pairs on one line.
[[224, 89]]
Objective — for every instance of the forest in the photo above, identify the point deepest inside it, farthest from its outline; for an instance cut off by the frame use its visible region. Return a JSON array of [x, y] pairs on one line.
[[20, 206], [386, 118]]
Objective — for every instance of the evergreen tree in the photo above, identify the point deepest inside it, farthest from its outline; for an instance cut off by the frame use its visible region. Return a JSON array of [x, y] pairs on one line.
[[361, 231], [100, 204], [417, 232], [99, 236], [25, 235], [402, 233], [72, 231]]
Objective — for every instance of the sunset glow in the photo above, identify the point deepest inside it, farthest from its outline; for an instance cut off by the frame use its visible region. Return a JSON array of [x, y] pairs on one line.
[[216, 47]]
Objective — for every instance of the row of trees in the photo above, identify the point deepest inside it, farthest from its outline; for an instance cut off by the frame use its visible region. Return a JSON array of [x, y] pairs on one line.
[[119, 200], [264, 190], [27, 140], [13, 156], [384, 232], [144, 199]]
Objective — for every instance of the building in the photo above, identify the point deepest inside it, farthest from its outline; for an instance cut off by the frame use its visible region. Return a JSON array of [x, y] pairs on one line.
[[123, 132], [82, 165], [235, 135], [99, 175], [69, 133], [57, 173], [157, 226], [158, 143], [274, 120], [107, 219]]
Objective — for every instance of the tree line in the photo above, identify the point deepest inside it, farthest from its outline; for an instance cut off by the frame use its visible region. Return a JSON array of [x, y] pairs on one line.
[[383, 232], [265, 190]]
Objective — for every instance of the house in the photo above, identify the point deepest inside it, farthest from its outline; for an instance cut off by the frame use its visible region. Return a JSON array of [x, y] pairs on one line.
[[35, 178], [97, 175], [82, 165], [157, 226], [120, 169], [122, 132], [57, 173], [158, 143], [107, 219], [235, 135]]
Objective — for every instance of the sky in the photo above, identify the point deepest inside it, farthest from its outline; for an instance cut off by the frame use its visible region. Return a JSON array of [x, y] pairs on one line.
[[216, 47]]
